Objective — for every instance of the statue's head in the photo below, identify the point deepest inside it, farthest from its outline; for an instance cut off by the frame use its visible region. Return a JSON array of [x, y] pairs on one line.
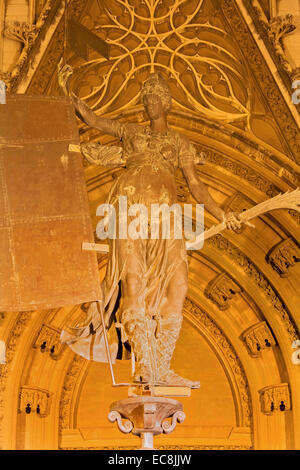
[[156, 95]]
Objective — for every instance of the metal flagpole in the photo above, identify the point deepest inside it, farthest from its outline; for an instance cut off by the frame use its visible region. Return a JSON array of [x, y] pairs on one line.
[[100, 308], [104, 249], [66, 32]]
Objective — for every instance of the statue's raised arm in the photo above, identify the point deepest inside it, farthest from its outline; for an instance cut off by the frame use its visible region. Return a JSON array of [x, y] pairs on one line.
[[95, 153], [107, 126]]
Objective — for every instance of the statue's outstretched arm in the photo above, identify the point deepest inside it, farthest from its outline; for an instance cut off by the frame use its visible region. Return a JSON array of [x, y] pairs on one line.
[[107, 126], [201, 193]]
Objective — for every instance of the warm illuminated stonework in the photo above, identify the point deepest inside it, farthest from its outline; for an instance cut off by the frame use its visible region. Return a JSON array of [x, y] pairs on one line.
[[230, 65]]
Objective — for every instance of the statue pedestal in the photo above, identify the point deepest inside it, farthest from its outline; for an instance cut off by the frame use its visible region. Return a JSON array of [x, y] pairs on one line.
[[158, 391], [147, 416]]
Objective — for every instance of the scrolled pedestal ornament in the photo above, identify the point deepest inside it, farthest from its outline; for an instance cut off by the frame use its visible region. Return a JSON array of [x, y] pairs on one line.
[[146, 417]]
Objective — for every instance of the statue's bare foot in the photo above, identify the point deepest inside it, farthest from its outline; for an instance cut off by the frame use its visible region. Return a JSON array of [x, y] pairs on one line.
[[174, 380]]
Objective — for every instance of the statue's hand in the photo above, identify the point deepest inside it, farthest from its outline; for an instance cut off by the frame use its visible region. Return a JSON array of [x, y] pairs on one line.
[[64, 72], [232, 221]]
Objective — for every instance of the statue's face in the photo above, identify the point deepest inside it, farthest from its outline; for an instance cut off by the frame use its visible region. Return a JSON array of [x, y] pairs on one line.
[[153, 106]]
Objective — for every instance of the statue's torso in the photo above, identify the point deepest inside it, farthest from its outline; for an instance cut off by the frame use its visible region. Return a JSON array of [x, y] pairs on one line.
[[151, 161]]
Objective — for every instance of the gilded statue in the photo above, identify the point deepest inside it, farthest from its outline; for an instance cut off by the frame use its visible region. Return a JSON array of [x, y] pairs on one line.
[[152, 274]]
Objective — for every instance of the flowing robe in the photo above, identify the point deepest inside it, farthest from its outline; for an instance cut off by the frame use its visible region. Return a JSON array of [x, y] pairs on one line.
[[151, 159]]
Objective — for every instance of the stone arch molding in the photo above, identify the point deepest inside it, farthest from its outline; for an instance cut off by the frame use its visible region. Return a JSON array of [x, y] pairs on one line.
[[246, 171], [70, 371], [214, 336], [242, 169]]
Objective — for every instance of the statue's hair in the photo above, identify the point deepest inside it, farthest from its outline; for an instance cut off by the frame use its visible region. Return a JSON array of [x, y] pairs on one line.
[[157, 85]]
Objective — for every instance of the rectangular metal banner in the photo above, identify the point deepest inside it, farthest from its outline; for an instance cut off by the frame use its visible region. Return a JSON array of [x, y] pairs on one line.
[[44, 211]]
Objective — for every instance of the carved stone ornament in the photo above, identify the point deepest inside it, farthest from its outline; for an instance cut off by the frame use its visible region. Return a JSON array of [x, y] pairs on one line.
[[289, 176], [17, 331], [237, 203], [22, 32], [275, 399], [32, 36], [146, 417], [280, 27], [221, 289], [283, 256], [34, 400], [48, 340], [169, 447], [258, 338], [295, 75], [72, 377], [273, 32]]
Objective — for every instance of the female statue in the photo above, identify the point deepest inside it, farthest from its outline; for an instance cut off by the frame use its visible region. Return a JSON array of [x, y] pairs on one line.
[[153, 274]]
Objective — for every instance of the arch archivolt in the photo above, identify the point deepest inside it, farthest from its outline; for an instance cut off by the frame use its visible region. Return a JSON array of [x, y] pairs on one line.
[[243, 165], [240, 170]]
